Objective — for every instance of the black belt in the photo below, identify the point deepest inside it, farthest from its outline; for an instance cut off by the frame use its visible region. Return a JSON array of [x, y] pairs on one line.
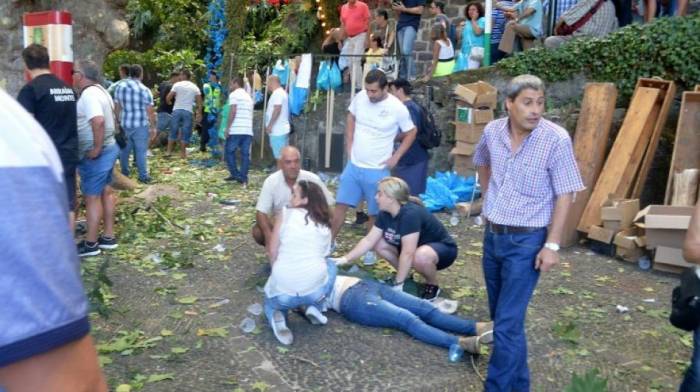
[[503, 229], [446, 60]]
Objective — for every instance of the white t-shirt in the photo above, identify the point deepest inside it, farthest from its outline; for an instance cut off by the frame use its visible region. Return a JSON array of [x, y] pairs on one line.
[[281, 126], [376, 126], [94, 101], [276, 194], [185, 94], [300, 267], [243, 122]]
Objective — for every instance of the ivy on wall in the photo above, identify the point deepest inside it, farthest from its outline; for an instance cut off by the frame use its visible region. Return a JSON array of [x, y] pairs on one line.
[[668, 48]]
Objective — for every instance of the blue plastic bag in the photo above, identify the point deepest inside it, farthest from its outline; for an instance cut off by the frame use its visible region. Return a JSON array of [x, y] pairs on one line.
[[336, 79], [461, 62], [446, 189], [297, 100], [281, 70], [323, 80]]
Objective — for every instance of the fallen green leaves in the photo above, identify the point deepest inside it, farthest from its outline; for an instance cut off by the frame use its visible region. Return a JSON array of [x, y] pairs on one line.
[[221, 332], [188, 300], [128, 342]]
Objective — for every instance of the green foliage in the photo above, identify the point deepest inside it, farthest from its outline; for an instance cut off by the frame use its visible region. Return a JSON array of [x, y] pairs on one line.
[[567, 331], [157, 63], [590, 382], [667, 48], [289, 33], [168, 24]]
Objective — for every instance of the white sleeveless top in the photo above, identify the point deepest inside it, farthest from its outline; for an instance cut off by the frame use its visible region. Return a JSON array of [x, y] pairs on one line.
[[446, 52], [300, 267]]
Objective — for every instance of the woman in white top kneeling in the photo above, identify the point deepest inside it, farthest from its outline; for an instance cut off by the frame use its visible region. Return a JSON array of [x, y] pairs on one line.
[[301, 276]]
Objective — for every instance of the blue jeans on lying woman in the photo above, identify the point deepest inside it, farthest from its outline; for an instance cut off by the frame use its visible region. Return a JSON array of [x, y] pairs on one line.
[[284, 302], [378, 305]]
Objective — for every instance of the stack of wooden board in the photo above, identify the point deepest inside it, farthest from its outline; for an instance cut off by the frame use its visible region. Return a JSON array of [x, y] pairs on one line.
[[626, 168], [473, 110]]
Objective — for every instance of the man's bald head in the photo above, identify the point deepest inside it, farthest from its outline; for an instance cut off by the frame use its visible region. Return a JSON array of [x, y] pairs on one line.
[[273, 81], [290, 162]]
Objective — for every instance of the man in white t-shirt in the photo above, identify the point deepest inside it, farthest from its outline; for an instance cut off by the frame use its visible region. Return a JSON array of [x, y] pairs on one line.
[[276, 192], [187, 96], [98, 152], [374, 120], [277, 116], [239, 136]]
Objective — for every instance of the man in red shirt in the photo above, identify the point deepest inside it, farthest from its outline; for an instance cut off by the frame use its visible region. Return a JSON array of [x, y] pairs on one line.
[[354, 17]]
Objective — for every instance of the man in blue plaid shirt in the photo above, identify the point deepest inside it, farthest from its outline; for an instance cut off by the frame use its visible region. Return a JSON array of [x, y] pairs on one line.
[[134, 108]]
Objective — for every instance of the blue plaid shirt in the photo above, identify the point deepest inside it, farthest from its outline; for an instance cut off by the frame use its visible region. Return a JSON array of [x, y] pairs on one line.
[[134, 98]]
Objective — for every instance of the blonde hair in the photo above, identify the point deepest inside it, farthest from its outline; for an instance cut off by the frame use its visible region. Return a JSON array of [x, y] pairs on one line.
[[398, 190]]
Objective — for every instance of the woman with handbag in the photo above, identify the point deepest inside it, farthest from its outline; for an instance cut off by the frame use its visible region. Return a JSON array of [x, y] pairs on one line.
[[473, 35], [443, 54]]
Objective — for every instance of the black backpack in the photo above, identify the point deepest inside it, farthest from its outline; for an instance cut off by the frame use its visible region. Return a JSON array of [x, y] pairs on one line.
[[685, 302], [429, 136]]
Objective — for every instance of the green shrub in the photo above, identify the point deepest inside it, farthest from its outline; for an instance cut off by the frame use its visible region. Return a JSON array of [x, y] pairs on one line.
[[157, 63], [668, 48]]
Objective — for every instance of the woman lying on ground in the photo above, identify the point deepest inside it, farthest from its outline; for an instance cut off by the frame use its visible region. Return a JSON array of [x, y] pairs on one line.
[[301, 276], [373, 304], [407, 236]]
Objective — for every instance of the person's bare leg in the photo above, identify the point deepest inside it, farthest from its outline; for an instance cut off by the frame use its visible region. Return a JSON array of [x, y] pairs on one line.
[[183, 150], [425, 263], [72, 367], [93, 214], [370, 222], [169, 149], [109, 202], [258, 235], [338, 218], [387, 252]]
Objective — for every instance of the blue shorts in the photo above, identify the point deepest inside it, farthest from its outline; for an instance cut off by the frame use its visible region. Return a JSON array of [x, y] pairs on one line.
[[163, 122], [277, 142], [181, 120], [357, 183], [96, 174]]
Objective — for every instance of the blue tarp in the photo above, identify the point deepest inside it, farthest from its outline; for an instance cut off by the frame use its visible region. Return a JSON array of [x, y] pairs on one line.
[[446, 189]]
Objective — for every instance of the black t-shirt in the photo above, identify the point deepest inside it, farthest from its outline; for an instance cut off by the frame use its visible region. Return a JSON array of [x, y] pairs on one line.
[[52, 103], [416, 152], [163, 90], [412, 218], [406, 19]]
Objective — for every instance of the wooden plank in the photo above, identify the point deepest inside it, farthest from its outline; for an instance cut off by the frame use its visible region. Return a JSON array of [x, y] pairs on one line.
[[697, 88], [687, 143], [590, 140], [623, 161], [668, 91]]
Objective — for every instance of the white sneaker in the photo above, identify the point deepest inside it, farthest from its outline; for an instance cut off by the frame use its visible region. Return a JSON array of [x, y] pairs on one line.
[[315, 316], [149, 153], [279, 327]]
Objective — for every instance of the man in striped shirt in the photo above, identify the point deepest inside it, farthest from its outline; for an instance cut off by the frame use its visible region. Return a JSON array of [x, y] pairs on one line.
[[528, 176], [134, 107], [239, 131]]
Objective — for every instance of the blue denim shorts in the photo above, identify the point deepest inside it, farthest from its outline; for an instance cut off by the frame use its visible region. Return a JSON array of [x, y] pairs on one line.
[[357, 183], [181, 120], [163, 122], [96, 174]]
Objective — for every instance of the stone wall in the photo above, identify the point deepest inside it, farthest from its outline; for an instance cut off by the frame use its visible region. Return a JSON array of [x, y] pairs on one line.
[[98, 28]]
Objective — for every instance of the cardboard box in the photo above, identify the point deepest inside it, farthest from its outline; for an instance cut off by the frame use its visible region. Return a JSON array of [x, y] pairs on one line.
[[670, 257], [463, 114], [468, 115], [664, 225], [463, 148], [478, 95], [469, 133], [629, 245], [601, 234], [463, 165], [619, 213]]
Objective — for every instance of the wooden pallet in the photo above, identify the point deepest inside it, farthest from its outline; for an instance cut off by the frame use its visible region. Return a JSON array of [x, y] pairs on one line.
[[590, 142], [686, 148], [618, 174], [668, 91]]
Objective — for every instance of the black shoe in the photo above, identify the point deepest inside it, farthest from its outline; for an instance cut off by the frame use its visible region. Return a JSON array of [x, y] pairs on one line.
[[430, 292], [146, 180], [230, 178], [361, 218], [107, 242], [88, 249]]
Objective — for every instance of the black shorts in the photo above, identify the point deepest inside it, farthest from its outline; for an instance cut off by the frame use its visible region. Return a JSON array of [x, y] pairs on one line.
[[69, 177], [447, 254]]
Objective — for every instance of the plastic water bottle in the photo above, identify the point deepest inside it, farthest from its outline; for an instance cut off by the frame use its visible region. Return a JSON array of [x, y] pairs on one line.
[[369, 258], [255, 309], [247, 325], [478, 221], [454, 219], [644, 263]]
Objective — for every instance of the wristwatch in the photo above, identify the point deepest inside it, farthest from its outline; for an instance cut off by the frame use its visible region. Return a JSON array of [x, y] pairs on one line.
[[553, 246]]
